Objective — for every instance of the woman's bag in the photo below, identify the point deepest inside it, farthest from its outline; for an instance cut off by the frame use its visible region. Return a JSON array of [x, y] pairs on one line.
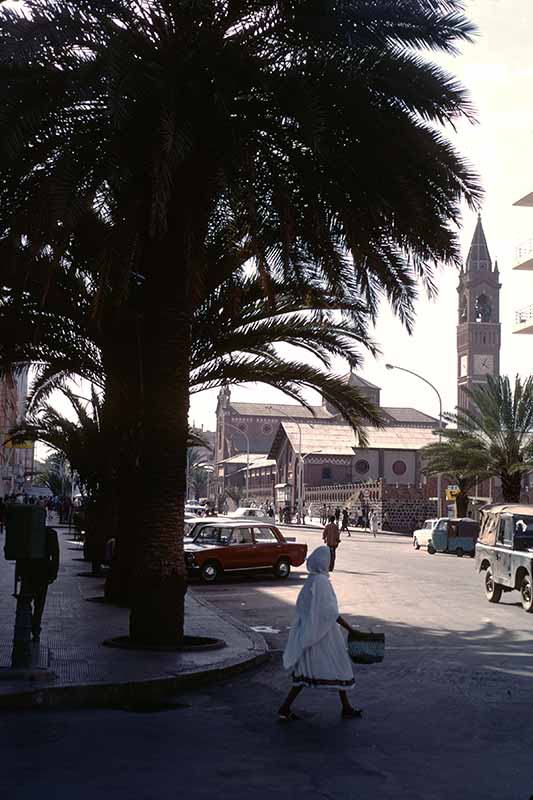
[[366, 647]]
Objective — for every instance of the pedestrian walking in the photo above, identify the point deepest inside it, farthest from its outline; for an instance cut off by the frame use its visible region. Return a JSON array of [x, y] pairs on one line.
[[316, 652], [373, 523], [323, 515], [337, 515], [331, 537], [36, 574], [385, 522], [345, 520]]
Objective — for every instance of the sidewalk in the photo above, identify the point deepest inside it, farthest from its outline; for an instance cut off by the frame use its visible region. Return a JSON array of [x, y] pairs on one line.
[[72, 667]]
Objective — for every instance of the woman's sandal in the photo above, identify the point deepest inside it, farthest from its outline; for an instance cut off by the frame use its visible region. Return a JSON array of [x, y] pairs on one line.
[[352, 713], [288, 716]]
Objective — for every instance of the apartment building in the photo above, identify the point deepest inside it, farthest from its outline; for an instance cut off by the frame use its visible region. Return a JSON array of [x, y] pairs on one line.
[[524, 262]]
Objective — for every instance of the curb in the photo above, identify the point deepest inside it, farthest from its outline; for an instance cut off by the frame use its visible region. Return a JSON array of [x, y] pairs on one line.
[[118, 694]]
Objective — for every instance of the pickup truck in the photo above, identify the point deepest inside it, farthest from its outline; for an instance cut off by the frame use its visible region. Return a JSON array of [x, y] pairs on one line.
[[504, 552]]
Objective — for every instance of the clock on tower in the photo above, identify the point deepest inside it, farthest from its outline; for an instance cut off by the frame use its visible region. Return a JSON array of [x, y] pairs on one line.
[[478, 328]]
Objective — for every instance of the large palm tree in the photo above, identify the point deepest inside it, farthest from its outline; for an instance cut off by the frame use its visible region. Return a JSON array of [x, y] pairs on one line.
[[312, 128], [497, 430]]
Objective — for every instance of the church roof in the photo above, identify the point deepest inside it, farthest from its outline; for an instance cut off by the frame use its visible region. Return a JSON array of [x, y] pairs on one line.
[[410, 416], [352, 379], [478, 256], [393, 415], [280, 410], [340, 440]]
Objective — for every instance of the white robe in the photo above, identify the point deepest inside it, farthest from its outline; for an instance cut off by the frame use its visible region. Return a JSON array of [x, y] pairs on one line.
[[316, 651]]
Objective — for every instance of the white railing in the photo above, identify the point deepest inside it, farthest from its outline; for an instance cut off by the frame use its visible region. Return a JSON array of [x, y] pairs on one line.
[[523, 315], [524, 251]]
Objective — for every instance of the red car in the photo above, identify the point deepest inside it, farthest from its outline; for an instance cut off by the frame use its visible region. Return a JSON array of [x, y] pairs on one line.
[[239, 546]]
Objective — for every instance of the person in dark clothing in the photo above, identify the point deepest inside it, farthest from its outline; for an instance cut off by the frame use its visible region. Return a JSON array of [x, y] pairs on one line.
[[36, 575], [345, 520], [331, 537], [337, 515]]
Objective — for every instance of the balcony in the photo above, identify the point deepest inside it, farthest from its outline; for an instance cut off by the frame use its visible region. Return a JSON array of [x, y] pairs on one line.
[[524, 320], [524, 256]]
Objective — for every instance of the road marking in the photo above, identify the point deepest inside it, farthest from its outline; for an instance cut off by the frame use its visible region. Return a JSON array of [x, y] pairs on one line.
[[264, 629]]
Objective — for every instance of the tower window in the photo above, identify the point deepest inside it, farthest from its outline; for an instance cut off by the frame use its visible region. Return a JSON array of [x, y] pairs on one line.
[[326, 473], [463, 310], [483, 312]]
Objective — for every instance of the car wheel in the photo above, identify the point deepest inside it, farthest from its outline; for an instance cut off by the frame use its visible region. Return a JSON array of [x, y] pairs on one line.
[[415, 544], [210, 572], [493, 590], [460, 552], [431, 550], [283, 568], [526, 594]]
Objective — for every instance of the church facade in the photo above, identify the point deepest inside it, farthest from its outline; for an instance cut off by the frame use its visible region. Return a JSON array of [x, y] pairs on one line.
[[262, 442]]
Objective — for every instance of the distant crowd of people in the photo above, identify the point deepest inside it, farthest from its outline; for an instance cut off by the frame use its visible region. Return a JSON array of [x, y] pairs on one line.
[[62, 506]]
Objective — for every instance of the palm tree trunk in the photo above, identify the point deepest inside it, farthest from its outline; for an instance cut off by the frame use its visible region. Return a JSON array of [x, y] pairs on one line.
[[461, 504], [121, 356], [159, 582], [511, 486]]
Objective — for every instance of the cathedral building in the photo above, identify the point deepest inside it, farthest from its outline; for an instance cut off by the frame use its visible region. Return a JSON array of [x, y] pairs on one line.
[[263, 441], [478, 328]]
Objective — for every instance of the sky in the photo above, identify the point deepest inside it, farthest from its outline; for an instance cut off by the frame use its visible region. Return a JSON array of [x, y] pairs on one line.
[[498, 72]]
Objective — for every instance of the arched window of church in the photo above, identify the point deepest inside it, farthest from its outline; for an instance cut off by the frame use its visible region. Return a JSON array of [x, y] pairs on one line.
[[483, 309], [463, 310]]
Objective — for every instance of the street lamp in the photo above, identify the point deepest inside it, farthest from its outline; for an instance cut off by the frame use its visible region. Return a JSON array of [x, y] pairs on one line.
[[299, 484], [229, 425], [302, 478], [439, 476]]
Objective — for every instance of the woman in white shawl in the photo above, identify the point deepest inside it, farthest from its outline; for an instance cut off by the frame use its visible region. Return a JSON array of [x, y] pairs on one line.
[[316, 652]]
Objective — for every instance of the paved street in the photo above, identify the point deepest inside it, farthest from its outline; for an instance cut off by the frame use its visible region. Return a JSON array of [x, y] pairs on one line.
[[447, 715]]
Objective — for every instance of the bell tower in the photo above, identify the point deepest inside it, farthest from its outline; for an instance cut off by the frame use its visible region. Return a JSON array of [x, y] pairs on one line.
[[478, 329]]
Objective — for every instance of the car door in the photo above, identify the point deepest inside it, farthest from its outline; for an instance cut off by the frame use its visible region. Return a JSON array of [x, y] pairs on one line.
[[241, 552], [267, 545], [504, 549]]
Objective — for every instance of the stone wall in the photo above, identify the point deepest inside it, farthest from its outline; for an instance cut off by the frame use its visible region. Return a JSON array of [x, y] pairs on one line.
[[406, 506]]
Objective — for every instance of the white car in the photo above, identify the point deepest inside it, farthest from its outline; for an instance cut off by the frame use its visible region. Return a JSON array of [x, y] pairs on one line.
[[250, 513], [422, 536], [195, 508]]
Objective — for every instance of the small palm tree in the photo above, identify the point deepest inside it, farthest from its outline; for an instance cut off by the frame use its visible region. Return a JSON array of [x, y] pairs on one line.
[[499, 427], [462, 458]]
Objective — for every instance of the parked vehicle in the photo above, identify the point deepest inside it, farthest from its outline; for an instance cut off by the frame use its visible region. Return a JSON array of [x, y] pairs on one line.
[[194, 524], [194, 507], [249, 513], [237, 546], [504, 552], [454, 536], [422, 535]]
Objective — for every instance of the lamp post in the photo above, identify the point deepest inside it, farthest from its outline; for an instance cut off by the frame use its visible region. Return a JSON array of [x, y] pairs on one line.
[[302, 476], [421, 377], [229, 425], [297, 484]]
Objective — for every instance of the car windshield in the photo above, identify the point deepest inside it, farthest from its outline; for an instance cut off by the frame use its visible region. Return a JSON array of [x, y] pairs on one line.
[[210, 534], [442, 525]]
